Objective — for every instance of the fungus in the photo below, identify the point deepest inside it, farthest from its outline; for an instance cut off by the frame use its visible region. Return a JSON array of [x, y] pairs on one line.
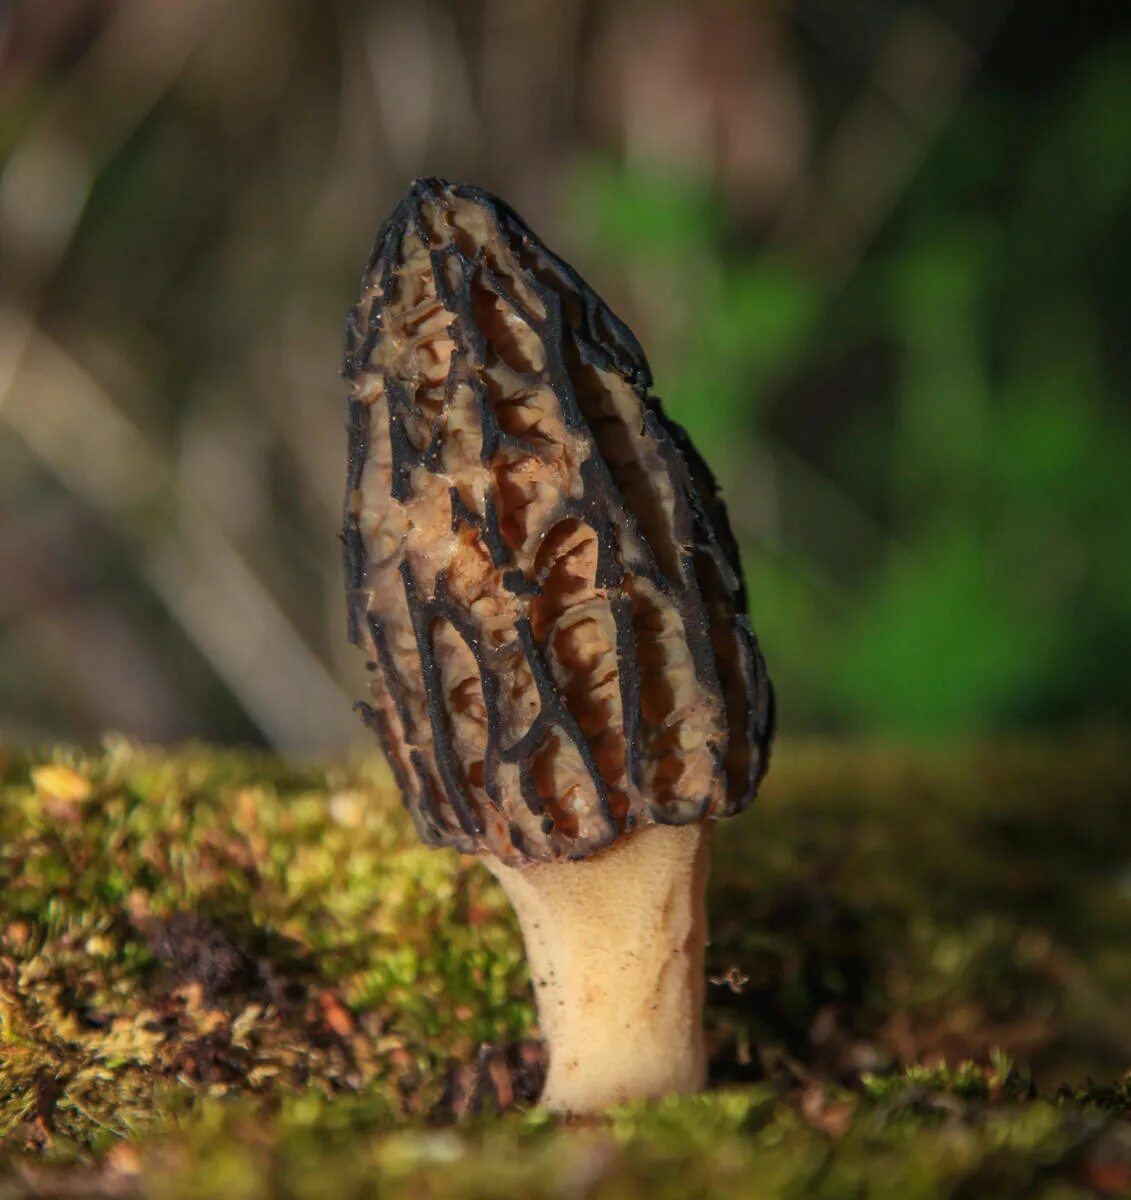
[[565, 681]]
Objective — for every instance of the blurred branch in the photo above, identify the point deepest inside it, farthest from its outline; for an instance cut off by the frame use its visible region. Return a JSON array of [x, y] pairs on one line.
[[48, 177], [75, 429], [839, 204]]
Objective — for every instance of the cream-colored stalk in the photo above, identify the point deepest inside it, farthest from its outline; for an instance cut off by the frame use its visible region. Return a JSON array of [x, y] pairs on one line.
[[615, 945]]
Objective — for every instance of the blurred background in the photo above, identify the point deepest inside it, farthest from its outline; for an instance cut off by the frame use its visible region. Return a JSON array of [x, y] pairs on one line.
[[878, 252]]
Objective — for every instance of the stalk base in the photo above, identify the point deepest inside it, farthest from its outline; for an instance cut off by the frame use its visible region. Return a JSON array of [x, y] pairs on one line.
[[615, 945]]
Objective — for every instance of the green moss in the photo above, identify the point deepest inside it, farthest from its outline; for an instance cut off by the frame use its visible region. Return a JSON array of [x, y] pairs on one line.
[[220, 974]]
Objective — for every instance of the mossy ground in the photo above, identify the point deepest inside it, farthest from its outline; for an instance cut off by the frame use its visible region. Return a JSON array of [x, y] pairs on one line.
[[224, 976]]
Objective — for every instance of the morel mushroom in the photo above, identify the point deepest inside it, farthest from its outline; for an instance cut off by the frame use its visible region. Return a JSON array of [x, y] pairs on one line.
[[565, 680]]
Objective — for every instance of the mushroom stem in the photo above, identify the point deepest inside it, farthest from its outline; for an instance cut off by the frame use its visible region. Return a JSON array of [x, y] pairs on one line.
[[615, 945]]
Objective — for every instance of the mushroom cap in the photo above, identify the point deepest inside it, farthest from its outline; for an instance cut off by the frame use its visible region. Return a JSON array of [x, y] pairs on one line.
[[538, 565]]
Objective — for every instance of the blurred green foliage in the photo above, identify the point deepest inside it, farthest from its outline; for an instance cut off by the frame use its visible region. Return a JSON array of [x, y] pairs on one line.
[[951, 546]]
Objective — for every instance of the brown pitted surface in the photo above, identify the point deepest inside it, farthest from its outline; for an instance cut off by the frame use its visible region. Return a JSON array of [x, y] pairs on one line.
[[538, 565]]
